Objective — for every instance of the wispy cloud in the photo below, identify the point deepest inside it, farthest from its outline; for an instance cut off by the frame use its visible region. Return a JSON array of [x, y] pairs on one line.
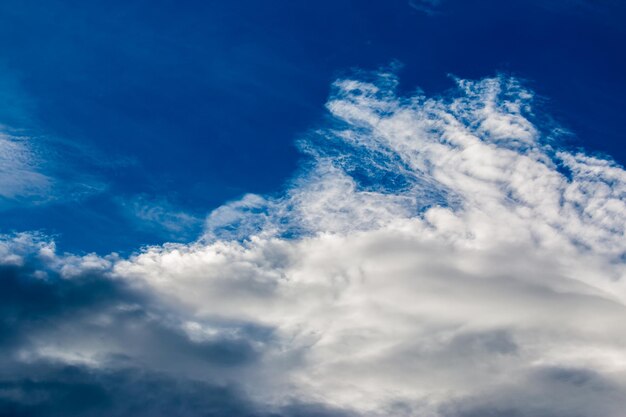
[[33, 171], [20, 173], [162, 216], [438, 257], [429, 7]]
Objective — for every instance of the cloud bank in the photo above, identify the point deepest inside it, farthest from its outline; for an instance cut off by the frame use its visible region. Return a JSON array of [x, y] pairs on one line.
[[438, 256]]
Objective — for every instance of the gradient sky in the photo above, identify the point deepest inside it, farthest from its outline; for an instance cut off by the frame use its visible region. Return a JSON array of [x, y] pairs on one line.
[[320, 208]]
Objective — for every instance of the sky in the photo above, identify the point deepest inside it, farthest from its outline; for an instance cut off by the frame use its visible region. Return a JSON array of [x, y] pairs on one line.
[[330, 208]]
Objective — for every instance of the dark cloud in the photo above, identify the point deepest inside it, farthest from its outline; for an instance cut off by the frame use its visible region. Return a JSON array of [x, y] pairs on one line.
[[57, 390], [90, 305], [548, 391], [146, 365], [68, 391]]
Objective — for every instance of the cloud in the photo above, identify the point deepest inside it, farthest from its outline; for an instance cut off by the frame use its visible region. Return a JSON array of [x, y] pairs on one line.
[[36, 168], [20, 176], [429, 7], [438, 256], [77, 342], [30, 172], [161, 216]]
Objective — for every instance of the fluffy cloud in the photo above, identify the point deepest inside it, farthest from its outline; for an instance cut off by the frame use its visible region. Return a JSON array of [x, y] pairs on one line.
[[438, 257]]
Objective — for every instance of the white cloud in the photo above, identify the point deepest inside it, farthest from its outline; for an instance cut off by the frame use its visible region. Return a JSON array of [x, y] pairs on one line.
[[428, 7], [437, 259], [30, 172], [20, 176], [161, 216]]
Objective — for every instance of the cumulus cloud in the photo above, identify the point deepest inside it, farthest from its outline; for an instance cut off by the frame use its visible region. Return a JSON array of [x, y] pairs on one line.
[[437, 257]]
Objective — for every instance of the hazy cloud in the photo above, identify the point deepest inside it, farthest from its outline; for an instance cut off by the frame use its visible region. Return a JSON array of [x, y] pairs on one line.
[[163, 217], [429, 7], [20, 175]]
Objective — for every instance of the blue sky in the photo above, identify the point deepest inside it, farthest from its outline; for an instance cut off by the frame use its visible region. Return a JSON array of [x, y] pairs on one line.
[[409, 208], [187, 106]]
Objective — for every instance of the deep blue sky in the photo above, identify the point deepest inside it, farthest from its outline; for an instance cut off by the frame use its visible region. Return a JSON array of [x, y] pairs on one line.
[[190, 104]]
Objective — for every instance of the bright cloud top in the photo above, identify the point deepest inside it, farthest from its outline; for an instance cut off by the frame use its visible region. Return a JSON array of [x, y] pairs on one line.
[[438, 257]]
